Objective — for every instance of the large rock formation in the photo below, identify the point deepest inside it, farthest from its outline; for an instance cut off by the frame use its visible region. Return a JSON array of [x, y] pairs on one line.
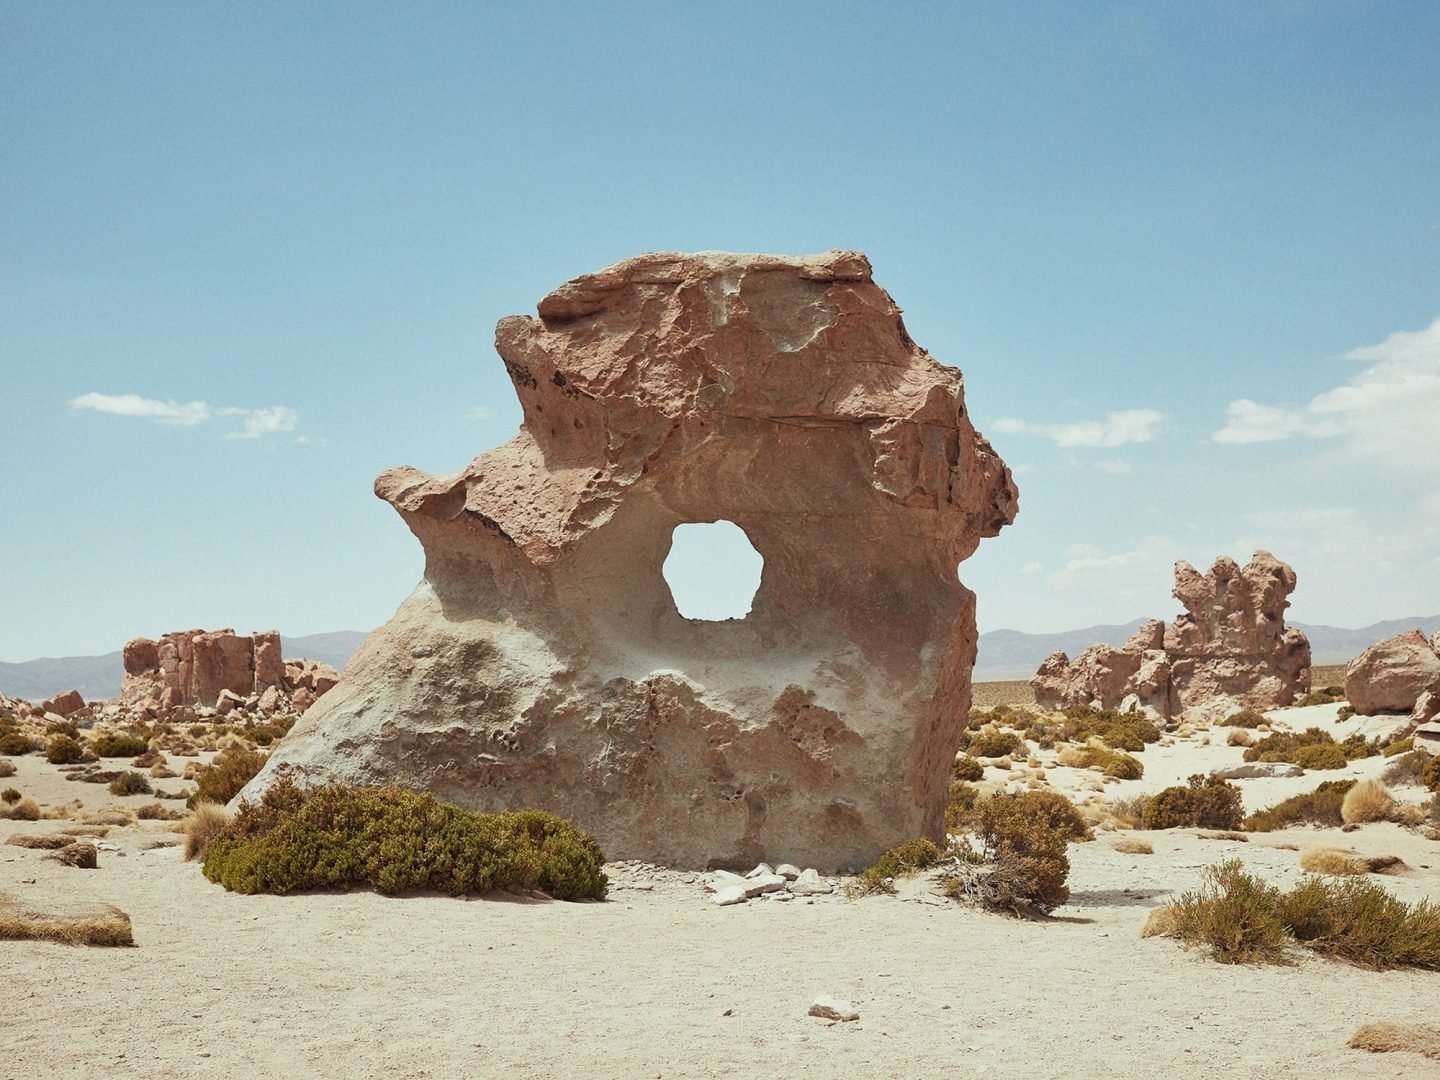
[[1231, 650], [1391, 675], [198, 667], [542, 661]]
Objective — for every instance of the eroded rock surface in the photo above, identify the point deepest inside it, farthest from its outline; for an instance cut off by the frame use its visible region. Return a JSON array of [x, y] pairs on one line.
[[542, 662], [1230, 650], [1391, 675], [219, 667]]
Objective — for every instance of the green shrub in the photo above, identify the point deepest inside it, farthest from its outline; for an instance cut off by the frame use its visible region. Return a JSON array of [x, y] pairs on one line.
[[1114, 763], [1119, 731], [1345, 713], [1429, 773], [130, 783], [902, 860], [118, 744], [338, 837], [1403, 746], [1326, 695], [1318, 807], [960, 807], [1243, 919], [995, 744], [222, 780], [967, 768], [63, 750], [1247, 718], [1319, 757], [1310, 749], [1206, 802], [12, 742], [1023, 839]]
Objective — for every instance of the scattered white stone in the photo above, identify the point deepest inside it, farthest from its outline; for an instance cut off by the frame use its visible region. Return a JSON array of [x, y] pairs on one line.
[[828, 1008], [782, 896], [764, 884], [731, 894], [723, 879], [810, 883], [788, 871], [761, 870]]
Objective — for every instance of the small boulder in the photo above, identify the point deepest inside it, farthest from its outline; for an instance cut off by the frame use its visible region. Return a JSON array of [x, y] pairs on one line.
[[763, 884], [810, 883], [81, 855], [64, 704], [1391, 675], [761, 870], [731, 894], [788, 871]]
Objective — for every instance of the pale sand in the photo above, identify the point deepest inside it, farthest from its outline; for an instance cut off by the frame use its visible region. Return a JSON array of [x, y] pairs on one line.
[[361, 985]]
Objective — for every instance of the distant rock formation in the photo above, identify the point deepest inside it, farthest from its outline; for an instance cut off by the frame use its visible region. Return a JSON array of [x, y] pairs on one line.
[[542, 661], [220, 669], [1391, 675], [1232, 650], [64, 704]]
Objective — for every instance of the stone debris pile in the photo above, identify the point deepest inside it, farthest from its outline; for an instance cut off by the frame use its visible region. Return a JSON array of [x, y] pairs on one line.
[[1231, 650], [783, 882]]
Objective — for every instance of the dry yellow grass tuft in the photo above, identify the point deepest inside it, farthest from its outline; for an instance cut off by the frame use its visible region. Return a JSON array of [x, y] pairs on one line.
[[44, 843], [110, 817], [1329, 860], [108, 926], [1369, 800], [27, 809], [1386, 1037], [1163, 922], [202, 826], [1134, 847], [98, 832], [1224, 834], [1239, 737]]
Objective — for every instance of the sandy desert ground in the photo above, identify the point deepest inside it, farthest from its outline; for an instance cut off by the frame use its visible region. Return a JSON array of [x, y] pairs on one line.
[[659, 982]]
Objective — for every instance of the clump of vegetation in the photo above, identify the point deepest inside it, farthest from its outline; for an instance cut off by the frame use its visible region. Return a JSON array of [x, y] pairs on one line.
[[1428, 773], [1319, 807], [10, 796], [18, 923], [1020, 865], [203, 824], [1400, 746], [221, 781], [1206, 802], [1130, 731], [994, 744], [130, 783], [42, 843], [1114, 763], [960, 808], [1338, 861], [156, 811], [7, 767], [63, 750], [1247, 718], [1134, 847], [14, 743], [1369, 800], [338, 836], [1243, 920], [1386, 1037], [1326, 695], [967, 768], [118, 744], [902, 860], [27, 809], [1311, 749]]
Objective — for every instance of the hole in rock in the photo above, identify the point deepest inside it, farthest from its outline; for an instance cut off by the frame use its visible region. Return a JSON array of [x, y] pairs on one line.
[[713, 570]]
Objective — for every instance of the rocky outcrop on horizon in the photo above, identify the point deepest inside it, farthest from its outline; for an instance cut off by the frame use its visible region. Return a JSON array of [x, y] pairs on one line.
[[222, 670], [542, 661], [1231, 650]]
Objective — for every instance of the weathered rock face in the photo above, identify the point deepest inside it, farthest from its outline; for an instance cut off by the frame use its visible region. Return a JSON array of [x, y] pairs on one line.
[[1231, 650], [1391, 675], [197, 667], [64, 704], [542, 661]]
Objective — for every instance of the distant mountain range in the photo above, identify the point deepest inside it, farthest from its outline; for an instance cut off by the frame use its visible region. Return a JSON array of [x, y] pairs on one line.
[[1009, 654], [98, 677], [1004, 654]]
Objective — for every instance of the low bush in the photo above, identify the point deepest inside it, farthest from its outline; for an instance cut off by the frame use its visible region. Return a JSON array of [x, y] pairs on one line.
[[1311, 749], [1246, 718], [1326, 695], [1022, 864], [16, 744], [1405, 769], [1134, 847], [1319, 807], [338, 836], [156, 811], [1114, 763], [1205, 802], [222, 780], [7, 767], [130, 783], [1428, 773], [1328, 756], [205, 823], [1120, 731], [967, 768], [1369, 800], [118, 744], [1386, 1037], [63, 750], [10, 796], [960, 807], [1400, 746], [1338, 861], [994, 744], [902, 860], [27, 809], [1242, 919]]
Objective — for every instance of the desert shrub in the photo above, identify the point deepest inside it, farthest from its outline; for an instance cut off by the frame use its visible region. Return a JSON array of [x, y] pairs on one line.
[[1239, 737], [1329, 860], [1400, 746], [63, 750], [41, 843], [1120, 731], [1319, 807], [147, 760], [1326, 695], [1129, 810], [1114, 763], [1369, 800], [1023, 839], [1386, 1037], [995, 744], [157, 812], [902, 860], [1310, 749], [1428, 773], [967, 768], [10, 796], [222, 780], [1234, 914], [205, 823], [1206, 801], [1345, 713], [1404, 769], [1134, 847], [118, 744], [7, 767], [960, 806], [338, 836], [22, 924], [1246, 718], [1319, 757], [14, 743], [27, 809], [130, 783]]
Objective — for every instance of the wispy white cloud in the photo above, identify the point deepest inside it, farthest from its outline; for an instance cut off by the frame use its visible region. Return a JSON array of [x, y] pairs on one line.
[[1116, 429], [480, 412], [255, 423], [162, 412], [1389, 408]]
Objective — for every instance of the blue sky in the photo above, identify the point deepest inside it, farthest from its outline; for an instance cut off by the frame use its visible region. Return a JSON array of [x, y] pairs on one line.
[[1188, 257]]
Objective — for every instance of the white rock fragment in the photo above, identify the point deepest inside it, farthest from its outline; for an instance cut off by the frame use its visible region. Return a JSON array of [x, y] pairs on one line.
[[731, 894], [764, 884], [828, 1008], [788, 871], [722, 879], [761, 870], [810, 883]]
